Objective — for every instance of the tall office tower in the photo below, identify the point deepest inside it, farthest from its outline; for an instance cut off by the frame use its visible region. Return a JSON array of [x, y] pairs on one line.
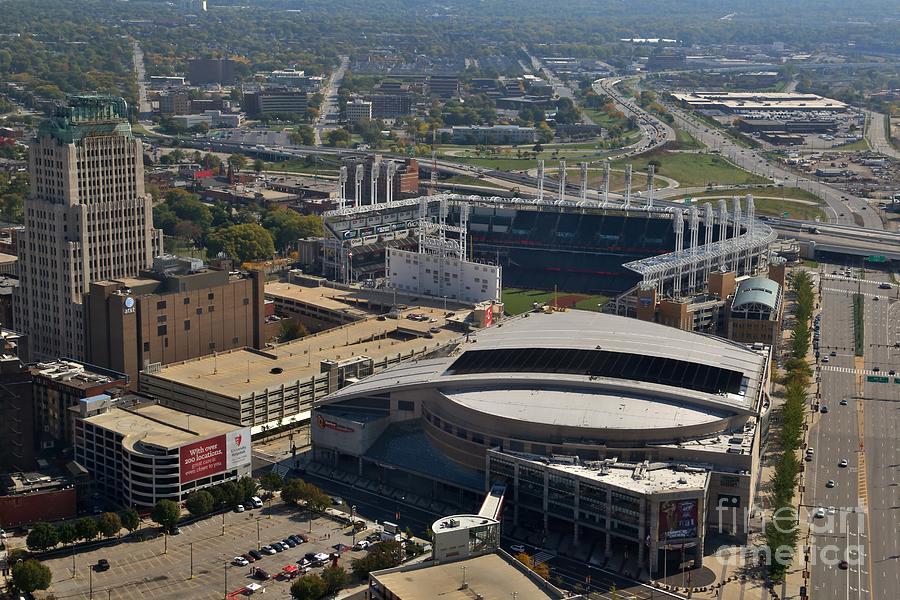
[[87, 219]]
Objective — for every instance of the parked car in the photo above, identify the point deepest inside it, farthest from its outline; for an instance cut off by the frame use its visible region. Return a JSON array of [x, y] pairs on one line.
[[102, 565], [268, 550], [820, 513], [517, 548], [260, 574], [256, 501], [248, 557], [255, 554], [239, 508], [289, 542], [362, 545], [277, 546], [240, 561]]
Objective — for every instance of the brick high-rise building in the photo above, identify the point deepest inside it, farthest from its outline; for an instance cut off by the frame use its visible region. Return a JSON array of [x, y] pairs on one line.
[[87, 218]]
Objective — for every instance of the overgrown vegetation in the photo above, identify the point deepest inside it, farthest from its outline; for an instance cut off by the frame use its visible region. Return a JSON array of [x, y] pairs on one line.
[[858, 324], [781, 533]]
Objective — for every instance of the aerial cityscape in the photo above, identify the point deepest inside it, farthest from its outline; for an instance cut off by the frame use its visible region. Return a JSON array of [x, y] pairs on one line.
[[482, 300]]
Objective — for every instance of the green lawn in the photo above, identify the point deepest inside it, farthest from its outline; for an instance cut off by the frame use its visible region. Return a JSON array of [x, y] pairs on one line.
[[301, 166], [516, 301], [685, 141], [773, 191], [469, 180], [773, 205], [857, 145], [695, 170]]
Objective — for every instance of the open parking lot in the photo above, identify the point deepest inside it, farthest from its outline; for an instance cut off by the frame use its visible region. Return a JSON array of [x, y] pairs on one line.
[[146, 569]]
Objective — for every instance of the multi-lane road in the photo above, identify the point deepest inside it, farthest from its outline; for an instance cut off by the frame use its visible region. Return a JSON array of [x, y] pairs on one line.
[[876, 134], [860, 426]]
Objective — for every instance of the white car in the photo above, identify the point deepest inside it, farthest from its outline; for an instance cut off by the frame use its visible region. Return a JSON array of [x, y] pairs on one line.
[[831, 510], [362, 545], [240, 561], [843, 462], [820, 513], [239, 508], [268, 550], [517, 548]]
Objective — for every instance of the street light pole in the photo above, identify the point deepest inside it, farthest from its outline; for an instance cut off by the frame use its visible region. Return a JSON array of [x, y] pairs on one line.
[[91, 582], [192, 560], [257, 533], [352, 523]]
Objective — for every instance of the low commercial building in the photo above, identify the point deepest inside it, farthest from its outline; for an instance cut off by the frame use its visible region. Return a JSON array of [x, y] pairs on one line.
[[444, 86], [44, 495], [174, 103], [211, 118], [275, 100], [493, 574], [496, 134], [744, 102], [147, 452], [268, 389], [180, 310]]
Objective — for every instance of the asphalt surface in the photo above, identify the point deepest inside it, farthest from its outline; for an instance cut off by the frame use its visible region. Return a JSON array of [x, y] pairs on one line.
[[864, 528], [838, 201], [875, 134]]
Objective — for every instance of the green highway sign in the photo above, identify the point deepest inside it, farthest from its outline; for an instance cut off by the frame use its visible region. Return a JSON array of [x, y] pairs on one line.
[[785, 214], [876, 258], [876, 379]]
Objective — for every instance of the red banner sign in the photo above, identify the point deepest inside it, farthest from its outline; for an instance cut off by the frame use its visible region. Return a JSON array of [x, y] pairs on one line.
[[202, 459]]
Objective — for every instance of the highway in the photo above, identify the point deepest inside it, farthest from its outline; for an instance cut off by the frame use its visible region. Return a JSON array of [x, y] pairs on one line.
[[876, 134], [841, 205], [863, 529], [654, 133], [328, 112]]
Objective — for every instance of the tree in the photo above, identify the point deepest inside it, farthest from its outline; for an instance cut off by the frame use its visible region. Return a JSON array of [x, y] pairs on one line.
[[166, 513], [336, 578], [309, 587], [130, 518], [541, 569], [287, 226], [86, 528], [292, 491], [304, 136], [258, 165], [237, 162], [338, 137], [537, 148], [384, 555], [199, 503], [109, 524], [31, 576], [42, 536], [66, 533], [244, 242], [271, 482]]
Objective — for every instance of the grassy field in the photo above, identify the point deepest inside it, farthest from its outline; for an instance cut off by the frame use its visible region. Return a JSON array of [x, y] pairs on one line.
[[695, 170], [469, 180], [517, 301], [301, 166], [767, 201], [685, 141], [862, 144], [616, 180]]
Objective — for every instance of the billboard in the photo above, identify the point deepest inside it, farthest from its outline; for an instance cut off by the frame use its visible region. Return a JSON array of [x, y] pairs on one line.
[[678, 519], [214, 455]]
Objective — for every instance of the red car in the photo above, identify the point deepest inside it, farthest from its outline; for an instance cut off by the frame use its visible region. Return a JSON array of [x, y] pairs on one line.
[[248, 558]]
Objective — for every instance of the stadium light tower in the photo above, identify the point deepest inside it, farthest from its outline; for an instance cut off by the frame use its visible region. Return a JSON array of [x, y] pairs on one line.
[[343, 179], [678, 226], [751, 214], [709, 222], [562, 179], [605, 183], [695, 232], [734, 255], [627, 186], [391, 173], [723, 233], [373, 181], [651, 170], [540, 180], [360, 175], [584, 179]]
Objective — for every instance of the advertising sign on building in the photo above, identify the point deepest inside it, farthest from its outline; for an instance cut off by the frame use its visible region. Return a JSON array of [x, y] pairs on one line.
[[214, 455], [678, 519]]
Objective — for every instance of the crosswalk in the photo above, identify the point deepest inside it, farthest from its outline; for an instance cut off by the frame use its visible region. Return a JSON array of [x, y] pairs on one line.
[[855, 280], [542, 557], [853, 292], [850, 371]]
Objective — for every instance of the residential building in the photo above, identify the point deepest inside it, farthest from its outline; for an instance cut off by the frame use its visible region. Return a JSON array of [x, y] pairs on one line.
[[174, 103], [87, 218], [147, 452], [179, 310], [203, 71], [59, 386], [358, 110]]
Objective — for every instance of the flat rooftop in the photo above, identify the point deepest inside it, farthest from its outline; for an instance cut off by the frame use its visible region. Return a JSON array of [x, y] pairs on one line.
[[158, 425], [601, 409], [488, 576], [761, 100], [655, 478], [337, 300], [243, 371]]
